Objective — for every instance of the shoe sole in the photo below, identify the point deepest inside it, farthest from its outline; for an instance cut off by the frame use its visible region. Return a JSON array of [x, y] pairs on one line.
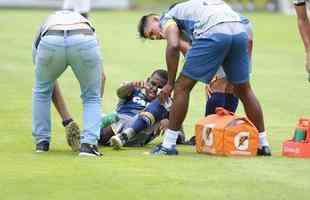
[[41, 151], [73, 136], [116, 143], [83, 154]]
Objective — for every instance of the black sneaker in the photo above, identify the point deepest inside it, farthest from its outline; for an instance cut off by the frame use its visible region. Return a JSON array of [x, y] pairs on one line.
[[264, 151], [42, 146], [89, 150]]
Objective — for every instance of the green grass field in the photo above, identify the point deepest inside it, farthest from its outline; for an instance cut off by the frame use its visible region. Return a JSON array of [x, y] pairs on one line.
[[279, 80]]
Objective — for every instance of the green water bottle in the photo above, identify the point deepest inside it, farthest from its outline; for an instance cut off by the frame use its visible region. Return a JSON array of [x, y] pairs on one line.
[[108, 119]]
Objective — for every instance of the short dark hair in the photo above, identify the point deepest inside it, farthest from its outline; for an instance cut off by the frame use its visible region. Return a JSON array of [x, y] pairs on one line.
[[161, 73], [142, 24]]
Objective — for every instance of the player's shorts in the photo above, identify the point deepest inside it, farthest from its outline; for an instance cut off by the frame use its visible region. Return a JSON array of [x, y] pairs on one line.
[[140, 139], [226, 44]]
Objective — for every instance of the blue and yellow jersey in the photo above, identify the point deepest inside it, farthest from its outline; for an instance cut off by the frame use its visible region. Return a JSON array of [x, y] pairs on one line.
[[133, 105], [196, 17]]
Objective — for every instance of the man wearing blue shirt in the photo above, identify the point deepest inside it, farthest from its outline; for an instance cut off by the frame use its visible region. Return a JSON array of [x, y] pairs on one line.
[[218, 37]]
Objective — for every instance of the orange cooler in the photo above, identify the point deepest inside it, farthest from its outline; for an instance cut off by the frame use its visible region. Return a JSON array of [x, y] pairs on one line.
[[226, 134]]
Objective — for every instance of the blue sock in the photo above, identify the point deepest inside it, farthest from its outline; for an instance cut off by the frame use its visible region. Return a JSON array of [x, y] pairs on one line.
[[217, 99], [231, 102]]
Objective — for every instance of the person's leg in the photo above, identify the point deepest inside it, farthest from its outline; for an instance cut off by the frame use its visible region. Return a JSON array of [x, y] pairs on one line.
[[152, 114], [251, 105], [146, 119], [202, 62], [85, 60], [254, 112], [50, 63], [105, 136], [182, 89], [237, 68]]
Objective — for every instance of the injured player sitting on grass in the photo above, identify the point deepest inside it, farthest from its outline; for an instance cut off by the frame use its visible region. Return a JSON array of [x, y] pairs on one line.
[[140, 117]]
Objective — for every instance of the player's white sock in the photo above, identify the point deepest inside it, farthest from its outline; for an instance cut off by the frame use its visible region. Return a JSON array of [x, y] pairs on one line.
[[170, 138], [129, 132], [262, 140]]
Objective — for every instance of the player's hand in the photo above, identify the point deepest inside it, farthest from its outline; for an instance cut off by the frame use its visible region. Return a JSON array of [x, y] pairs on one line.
[[209, 91], [165, 93], [164, 124]]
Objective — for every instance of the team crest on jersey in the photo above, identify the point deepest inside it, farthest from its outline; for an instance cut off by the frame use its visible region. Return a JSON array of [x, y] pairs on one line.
[[241, 141]]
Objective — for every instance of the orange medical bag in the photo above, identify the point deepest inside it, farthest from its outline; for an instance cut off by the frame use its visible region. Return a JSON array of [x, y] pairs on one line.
[[226, 134]]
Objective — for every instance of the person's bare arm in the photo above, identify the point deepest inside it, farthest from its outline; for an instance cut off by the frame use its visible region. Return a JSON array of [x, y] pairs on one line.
[[59, 103], [173, 49], [304, 29], [103, 80], [172, 35], [126, 90], [184, 46], [303, 25]]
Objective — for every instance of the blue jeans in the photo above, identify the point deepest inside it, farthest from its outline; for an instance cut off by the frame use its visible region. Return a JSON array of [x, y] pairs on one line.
[[54, 54]]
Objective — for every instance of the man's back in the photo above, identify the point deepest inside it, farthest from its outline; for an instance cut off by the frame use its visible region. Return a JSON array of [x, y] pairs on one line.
[[195, 17]]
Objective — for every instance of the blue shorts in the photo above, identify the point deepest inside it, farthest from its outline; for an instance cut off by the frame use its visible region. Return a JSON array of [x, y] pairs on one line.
[[227, 49]]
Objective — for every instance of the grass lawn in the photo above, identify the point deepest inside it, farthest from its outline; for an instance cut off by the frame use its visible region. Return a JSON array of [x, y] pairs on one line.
[[279, 80]]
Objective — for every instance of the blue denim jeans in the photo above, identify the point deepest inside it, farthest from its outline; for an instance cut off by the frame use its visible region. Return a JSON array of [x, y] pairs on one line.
[[54, 54]]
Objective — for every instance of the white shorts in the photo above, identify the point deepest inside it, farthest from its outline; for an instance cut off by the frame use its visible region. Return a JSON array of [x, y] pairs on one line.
[[80, 6]]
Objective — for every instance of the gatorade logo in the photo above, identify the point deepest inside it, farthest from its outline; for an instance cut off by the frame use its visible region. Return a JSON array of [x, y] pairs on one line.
[[207, 135], [241, 141]]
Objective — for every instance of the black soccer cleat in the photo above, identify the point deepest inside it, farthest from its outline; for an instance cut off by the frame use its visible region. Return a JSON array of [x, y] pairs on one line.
[[264, 151], [89, 150], [42, 146]]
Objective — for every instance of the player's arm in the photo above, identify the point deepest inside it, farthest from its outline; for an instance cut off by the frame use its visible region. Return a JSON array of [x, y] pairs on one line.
[[303, 25], [172, 34], [184, 46], [103, 80], [127, 88], [125, 91]]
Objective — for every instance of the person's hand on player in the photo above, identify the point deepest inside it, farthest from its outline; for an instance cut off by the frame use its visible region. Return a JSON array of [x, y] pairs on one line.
[[165, 93], [164, 124], [140, 84], [209, 91]]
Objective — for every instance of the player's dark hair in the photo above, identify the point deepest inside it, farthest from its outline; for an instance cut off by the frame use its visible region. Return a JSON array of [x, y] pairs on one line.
[[161, 73], [142, 24]]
